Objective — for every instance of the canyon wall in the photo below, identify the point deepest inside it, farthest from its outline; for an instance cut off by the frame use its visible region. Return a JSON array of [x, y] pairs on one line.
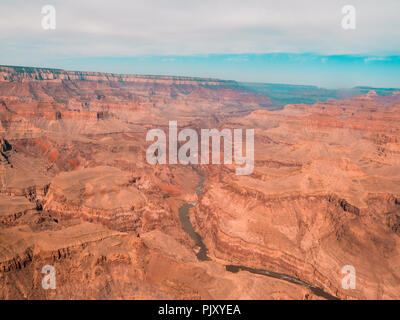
[[77, 193]]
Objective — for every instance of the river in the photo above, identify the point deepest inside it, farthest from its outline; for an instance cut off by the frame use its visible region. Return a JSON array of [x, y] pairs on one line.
[[187, 225], [202, 254]]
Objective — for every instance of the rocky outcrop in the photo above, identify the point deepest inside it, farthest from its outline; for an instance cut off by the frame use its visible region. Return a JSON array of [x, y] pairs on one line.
[[4, 145]]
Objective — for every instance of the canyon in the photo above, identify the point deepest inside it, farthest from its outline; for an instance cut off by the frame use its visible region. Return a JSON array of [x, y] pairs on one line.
[[77, 193]]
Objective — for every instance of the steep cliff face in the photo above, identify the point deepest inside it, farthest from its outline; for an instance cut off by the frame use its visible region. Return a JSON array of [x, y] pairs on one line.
[[76, 192], [112, 100], [23, 74], [324, 194]]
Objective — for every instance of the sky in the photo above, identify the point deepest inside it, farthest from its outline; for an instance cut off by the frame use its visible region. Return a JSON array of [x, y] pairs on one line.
[[285, 41]]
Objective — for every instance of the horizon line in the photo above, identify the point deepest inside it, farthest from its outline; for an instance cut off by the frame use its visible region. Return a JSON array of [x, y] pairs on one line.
[[197, 77]]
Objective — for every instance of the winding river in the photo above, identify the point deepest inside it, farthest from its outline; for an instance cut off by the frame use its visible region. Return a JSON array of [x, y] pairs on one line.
[[202, 254], [187, 225]]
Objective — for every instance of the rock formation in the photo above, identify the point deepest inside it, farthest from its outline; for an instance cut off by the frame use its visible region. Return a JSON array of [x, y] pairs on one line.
[[77, 193]]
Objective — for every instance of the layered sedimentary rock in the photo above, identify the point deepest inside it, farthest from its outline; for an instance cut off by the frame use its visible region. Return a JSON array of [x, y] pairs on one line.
[[325, 193], [77, 193]]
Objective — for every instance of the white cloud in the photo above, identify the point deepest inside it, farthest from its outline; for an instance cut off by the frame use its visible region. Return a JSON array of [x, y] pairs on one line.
[[168, 59], [180, 27], [374, 59]]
